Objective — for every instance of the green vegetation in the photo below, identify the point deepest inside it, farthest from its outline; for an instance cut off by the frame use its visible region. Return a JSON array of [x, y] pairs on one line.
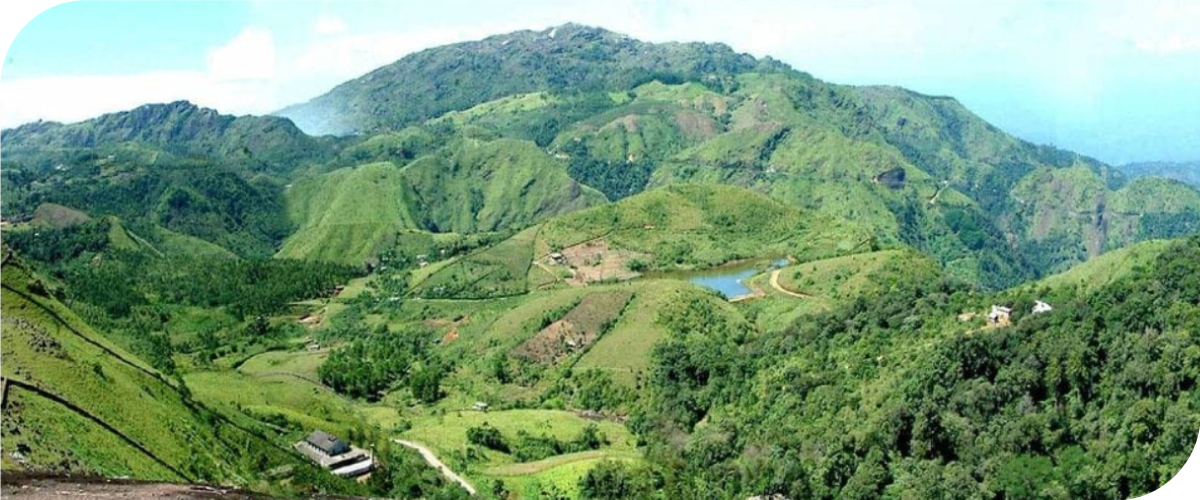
[[497, 268], [77, 403], [367, 366], [890, 396], [577, 58], [1188, 172]]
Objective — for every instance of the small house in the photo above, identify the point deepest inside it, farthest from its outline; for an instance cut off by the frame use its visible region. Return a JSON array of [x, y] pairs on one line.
[[557, 258], [1000, 316], [1040, 307], [335, 455], [327, 444], [480, 406]]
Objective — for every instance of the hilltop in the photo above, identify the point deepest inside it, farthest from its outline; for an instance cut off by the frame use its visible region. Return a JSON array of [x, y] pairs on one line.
[[180, 128], [565, 59]]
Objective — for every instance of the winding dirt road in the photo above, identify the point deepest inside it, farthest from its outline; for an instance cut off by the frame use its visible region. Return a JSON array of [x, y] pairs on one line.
[[779, 288], [432, 459]]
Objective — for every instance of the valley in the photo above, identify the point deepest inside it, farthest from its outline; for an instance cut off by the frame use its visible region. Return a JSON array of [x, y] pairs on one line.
[[583, 266]]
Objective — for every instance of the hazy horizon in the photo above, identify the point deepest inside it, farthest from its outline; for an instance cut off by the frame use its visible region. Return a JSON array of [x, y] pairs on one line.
[[1113, 80]]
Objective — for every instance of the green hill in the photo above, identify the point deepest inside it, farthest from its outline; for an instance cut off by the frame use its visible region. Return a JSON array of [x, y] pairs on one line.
[[476, 185], [347, 214], [1073, 204], [470, 186], [76, 403], [677, 227], [259, 143], [898, 393], [1107, 268], [905, 167], [1188, 172], [568, 58]]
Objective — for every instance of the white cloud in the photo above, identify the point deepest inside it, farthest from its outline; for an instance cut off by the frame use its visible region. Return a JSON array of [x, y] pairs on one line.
[[75, 98], [327, 25], [249, 56], [350, 55], [1170, 44], [240, 77], [1157, 28]]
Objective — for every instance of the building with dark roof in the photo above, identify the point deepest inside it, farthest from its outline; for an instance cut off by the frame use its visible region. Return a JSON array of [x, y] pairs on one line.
[[327, 444], [336, 455]]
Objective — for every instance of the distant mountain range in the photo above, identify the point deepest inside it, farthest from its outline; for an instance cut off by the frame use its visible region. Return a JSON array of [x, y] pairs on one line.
[[526, 221], [1188, 171], [498, 134]]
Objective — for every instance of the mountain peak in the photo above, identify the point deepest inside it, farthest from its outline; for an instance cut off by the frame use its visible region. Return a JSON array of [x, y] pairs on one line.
[[568, 58], [569, 30]]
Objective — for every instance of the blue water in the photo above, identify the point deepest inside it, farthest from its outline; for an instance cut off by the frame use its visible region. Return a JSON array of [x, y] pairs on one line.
[[727, 284], [729, 280]]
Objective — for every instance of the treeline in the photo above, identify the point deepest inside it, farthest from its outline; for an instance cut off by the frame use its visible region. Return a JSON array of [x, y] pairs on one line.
[[120, 281], [893, 397], [197, 197], [616, 179], [48, 244], [528, 447], [370, 365]]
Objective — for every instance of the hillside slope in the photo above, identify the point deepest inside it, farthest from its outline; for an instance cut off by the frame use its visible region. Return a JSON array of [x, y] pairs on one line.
[[469, 186], [76, 403], [900, 394], [672, 228]]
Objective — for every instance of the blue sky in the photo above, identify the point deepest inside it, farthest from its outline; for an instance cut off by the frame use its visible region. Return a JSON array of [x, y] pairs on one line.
[[1115, 80]]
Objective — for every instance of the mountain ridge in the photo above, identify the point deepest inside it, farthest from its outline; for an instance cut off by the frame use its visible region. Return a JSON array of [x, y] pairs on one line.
[[528, 55]]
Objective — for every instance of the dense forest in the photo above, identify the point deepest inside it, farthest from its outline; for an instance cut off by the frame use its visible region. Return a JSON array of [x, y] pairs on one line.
[[1074, 404], [369, 365], [445, 273]]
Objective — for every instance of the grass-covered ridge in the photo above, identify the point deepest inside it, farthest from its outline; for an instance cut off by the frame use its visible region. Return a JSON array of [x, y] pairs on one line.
[[70, 395], [671, 228], [348, 214]]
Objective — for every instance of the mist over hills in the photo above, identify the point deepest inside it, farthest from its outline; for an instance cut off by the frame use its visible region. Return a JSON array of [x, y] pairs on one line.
[[1188, 172]]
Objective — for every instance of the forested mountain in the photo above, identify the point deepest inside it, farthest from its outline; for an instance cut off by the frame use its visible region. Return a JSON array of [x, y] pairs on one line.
[[502, 133], [574, 265], [894, 397], [565, 59], [258, 143], [1188, 172], [910, 168]]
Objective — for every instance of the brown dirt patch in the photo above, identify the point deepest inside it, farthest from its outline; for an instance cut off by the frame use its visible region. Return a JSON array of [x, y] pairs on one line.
[[310, 320], [576, 330], [595, 261], [696, 125], [452, 334], [630, 122]]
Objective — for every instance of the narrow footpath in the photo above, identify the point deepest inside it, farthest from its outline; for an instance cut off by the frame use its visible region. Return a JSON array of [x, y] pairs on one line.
[[779, 288], [428, 455]]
